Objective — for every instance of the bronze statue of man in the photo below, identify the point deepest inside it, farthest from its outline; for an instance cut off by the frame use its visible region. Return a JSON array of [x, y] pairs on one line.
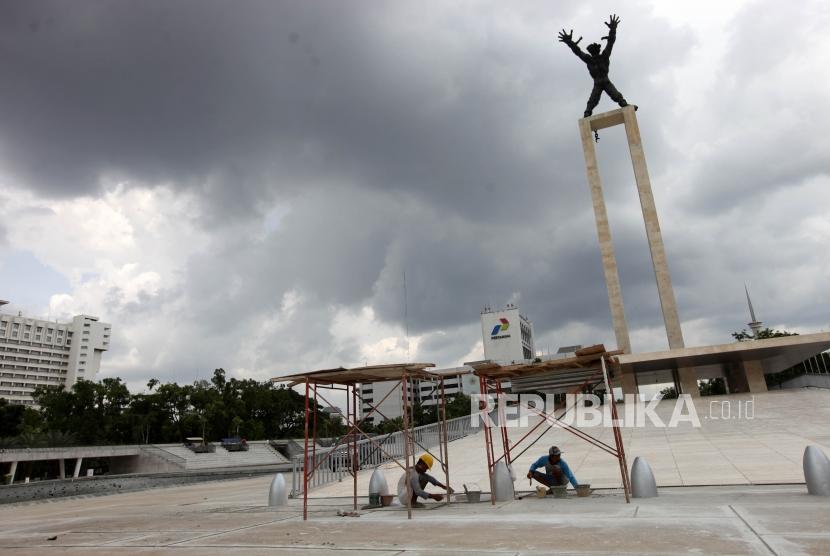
[[598, 64]]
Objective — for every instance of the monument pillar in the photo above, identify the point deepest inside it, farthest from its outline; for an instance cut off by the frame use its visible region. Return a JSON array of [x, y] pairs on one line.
[[754, 373], [606, 246], [628, 383], [655, 238], [736, 379], [688, 381], [628, 118]]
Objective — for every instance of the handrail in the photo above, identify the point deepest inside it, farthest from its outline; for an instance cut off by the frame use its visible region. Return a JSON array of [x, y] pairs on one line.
[[370, 456], [165, 455]]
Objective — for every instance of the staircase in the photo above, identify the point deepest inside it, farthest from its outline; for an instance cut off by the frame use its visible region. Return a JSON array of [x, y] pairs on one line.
[[259, 454]]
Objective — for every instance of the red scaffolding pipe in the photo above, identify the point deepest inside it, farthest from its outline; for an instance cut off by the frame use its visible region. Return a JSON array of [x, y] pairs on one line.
[[618, 450], [353, 425]]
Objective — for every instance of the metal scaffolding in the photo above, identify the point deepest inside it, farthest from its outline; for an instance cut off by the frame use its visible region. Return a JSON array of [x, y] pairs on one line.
[[348, 381], [594, 361]]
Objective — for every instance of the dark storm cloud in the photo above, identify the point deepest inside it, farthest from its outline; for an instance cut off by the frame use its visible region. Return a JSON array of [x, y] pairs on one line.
[[245, 103], [762, 141], [438, 142]]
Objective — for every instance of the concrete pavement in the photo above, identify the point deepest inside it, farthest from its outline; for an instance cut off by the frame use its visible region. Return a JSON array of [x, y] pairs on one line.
[[730, 447], [747, 511], [231, 518]]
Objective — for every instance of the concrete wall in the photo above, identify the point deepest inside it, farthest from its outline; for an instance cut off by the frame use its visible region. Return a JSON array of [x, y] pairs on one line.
[[805, 381], [111, 484]]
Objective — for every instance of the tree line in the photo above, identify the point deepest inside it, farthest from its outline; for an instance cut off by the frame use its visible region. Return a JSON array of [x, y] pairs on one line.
[[105, 412]]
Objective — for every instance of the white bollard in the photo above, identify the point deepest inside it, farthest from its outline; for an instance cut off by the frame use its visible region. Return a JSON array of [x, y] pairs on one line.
[[643, 484], [278, 494], [502, 483], [377, 484], [816, 471]]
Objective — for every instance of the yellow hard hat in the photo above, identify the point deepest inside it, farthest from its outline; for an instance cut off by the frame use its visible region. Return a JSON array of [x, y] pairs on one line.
[[427, 459]]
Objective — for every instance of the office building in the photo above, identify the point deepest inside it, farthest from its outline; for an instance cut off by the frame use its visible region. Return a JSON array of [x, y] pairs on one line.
[[507, 335], [35, 352]]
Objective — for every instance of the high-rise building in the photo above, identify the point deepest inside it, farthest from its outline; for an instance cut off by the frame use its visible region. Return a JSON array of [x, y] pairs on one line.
[[35, 352], [507, 335], [427, 393]]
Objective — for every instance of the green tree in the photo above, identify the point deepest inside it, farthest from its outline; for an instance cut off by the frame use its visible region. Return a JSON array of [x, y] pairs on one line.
[[668, 393], [93, 412], [744, 336], [712, 387], [459, 406], [12, 418]]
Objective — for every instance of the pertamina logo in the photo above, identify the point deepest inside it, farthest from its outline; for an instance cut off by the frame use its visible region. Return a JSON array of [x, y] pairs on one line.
[[499, 329]]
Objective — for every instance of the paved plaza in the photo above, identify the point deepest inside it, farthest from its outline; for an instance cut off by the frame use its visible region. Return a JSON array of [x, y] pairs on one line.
[[727, 449], [232, 518], [756, 504]]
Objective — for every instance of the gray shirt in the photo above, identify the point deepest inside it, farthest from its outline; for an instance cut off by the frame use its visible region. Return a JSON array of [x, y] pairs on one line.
[[418, 482]]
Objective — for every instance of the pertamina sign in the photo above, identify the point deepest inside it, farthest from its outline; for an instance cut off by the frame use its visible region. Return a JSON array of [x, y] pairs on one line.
[[500, 329]]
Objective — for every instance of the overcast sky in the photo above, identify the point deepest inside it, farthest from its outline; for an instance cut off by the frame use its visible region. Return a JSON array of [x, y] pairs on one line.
[[244, 184]]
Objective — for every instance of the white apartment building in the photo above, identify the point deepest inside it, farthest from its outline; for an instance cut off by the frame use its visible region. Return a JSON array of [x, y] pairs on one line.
[[424, 392], [373, 393], [35, 352]]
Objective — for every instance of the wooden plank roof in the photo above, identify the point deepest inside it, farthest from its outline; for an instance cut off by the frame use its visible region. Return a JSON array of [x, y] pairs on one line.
[[584, 358], [374, 373]]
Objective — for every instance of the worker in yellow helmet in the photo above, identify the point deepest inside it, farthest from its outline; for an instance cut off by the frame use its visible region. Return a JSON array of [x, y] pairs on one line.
[[419, 480]]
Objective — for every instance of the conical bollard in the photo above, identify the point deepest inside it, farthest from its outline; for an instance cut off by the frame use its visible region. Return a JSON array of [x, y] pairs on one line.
[[643, 484], [377, 487], [816, 471], [502, 483], [278, 495], [377, 484]]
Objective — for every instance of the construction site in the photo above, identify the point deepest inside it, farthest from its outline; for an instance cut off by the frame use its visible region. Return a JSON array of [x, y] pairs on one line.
[[733, 485]]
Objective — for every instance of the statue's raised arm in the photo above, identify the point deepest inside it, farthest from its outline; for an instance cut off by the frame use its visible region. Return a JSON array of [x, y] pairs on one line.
[[568, 39], [612, 23]]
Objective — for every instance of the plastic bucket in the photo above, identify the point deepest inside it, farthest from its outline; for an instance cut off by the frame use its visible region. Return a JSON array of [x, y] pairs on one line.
[[583, 490], [374, 499], [473, 496], [559, 491]]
